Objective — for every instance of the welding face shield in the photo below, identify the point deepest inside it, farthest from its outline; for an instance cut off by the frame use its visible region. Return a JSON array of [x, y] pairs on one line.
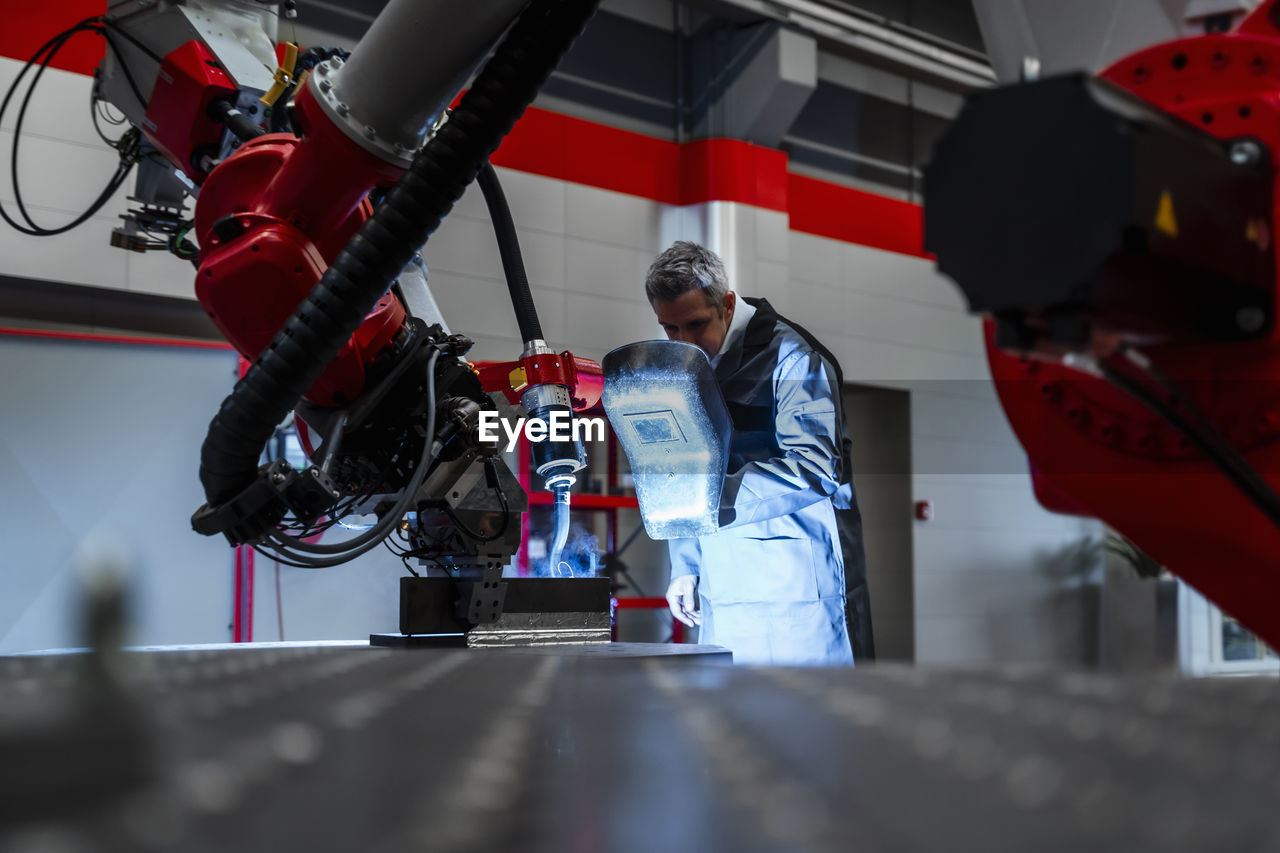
[[667, 411]]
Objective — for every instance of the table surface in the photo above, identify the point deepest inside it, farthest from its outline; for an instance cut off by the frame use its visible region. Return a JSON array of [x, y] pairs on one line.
[[619, 748]]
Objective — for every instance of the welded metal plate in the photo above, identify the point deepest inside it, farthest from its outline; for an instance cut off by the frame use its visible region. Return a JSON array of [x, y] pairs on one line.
[[671, 420], [330, 748], [429, 606]]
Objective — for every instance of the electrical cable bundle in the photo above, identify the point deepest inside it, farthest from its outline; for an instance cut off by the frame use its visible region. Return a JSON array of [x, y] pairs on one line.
[[1194, 425], [128, 145], [291, 550]]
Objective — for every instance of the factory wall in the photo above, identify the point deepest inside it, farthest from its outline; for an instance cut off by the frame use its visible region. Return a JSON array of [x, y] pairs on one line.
[[592, 208], [99, 443]]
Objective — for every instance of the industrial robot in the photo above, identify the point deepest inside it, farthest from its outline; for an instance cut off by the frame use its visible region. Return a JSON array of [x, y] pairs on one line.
[[317, 177]]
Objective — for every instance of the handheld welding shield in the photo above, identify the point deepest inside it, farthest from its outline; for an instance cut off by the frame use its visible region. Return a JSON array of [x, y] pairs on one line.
[[671, 419]]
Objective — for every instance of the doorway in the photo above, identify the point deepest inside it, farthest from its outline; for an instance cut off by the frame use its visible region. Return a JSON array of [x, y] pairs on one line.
[[879, 422]]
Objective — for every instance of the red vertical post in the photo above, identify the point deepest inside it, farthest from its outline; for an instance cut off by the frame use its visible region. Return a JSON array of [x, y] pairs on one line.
[[523, 461], [611, 484], [242, 614], [242, 606]]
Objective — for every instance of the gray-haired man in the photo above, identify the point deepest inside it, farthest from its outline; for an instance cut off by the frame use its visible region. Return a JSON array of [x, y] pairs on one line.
[[771, 583]]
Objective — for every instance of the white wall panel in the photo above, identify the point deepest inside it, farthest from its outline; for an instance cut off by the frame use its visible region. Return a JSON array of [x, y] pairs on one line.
[[817, 259], [59, 175], [544, 258], [975, 592], [159, 273], [537, 203], [464, 246], [772, 281], [941, 415], [100, 442], [946, 331], [610, 217], [817, 307], [552, 310], [773, 237], [82, 256], [606, 269], [900, 365], [994, 503], [901, 276], [474, 305], [59, 109], [598, 324]]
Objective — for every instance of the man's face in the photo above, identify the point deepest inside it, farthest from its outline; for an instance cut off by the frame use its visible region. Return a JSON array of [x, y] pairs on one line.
[[691, 319]]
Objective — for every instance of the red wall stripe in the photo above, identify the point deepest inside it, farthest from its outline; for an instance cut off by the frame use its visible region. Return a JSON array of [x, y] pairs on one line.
[[597, 155], [856, 216], [114, 339], [586, 152], [27, 26], [731, 170]]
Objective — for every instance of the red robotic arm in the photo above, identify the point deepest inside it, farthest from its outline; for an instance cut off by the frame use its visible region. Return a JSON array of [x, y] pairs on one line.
[[1132, 334], [306, 275]]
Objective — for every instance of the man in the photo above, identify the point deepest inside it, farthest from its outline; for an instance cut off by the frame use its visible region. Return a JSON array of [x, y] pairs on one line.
[[771, 583]]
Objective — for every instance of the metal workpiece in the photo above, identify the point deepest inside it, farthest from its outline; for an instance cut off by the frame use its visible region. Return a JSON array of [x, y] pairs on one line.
[[542, 629], [670, 417], [341, 748], [530, 611], [402, 75]]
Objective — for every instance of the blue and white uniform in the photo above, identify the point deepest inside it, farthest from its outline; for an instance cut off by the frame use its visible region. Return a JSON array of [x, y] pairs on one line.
[[772, 580]]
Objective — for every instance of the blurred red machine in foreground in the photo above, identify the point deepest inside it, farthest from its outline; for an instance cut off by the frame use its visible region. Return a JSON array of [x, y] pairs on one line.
[[1118, 231]]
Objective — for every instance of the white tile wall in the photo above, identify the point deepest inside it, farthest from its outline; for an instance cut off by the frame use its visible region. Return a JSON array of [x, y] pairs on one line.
[[598, 324], [544, 258], [609, 217], [870, 270], [59, 109], [606, 269], [82, 256], [818, 307], [537, 203], [57, 174], [158, 273], [474, 305], [465, 246], [773, 236], [881, 362]]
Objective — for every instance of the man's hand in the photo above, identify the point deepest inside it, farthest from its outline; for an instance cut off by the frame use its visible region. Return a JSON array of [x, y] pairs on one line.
[[682, 598]]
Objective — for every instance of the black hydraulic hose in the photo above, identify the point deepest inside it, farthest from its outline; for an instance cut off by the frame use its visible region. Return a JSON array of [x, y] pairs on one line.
[[361, 274], [225, 112], [509, 247]]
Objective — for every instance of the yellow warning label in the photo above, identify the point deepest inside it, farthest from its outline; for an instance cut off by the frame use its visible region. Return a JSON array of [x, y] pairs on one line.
[[1166, 221]]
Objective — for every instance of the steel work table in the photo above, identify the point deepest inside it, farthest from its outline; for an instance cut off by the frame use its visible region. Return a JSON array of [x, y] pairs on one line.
[[621, 748]]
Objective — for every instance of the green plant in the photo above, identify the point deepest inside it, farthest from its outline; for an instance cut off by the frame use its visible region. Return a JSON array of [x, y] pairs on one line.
[[1140, 561], [1076, 562]]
